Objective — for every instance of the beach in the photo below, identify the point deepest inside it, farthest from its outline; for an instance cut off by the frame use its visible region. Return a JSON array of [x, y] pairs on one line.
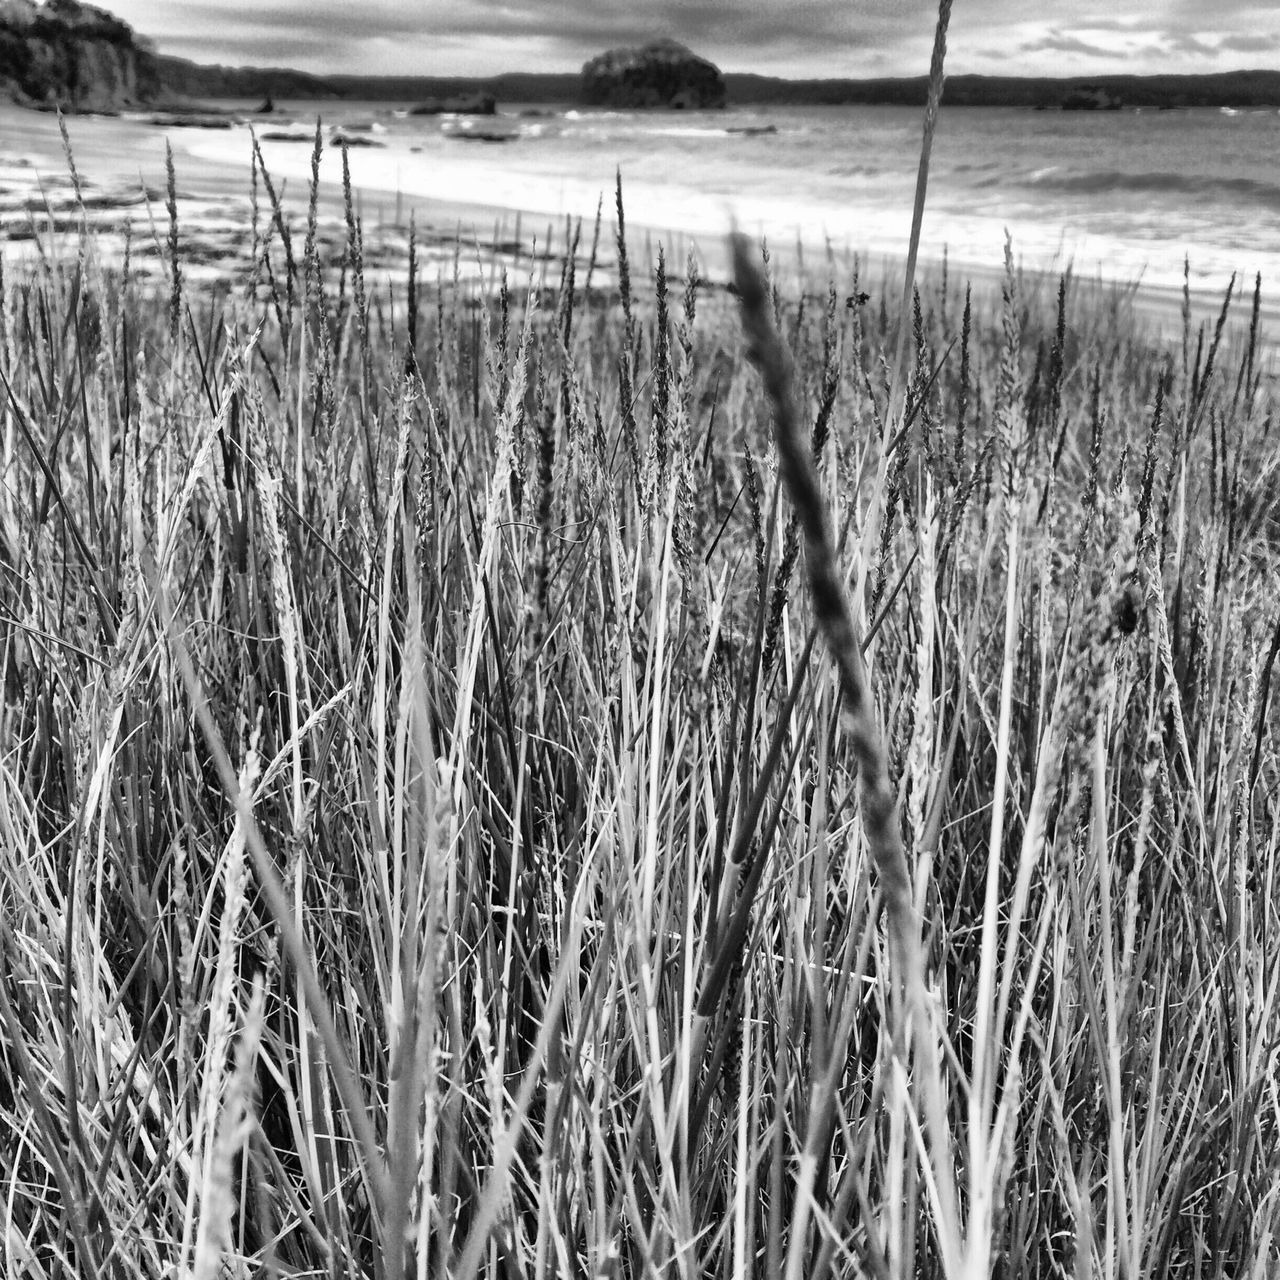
[[494, 193]]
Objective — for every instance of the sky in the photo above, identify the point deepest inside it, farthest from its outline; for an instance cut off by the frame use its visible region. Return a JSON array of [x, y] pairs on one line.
[[806, 38]]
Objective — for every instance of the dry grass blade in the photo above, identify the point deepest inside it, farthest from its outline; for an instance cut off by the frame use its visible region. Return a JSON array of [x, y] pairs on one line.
[[878, 795], [349, 1088]]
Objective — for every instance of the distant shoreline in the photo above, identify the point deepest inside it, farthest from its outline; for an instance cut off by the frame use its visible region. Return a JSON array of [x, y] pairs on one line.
[[1241, 90]]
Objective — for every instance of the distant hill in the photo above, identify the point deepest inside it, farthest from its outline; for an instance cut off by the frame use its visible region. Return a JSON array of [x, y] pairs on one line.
[[195, 80], [513, 86], [1226, 89]]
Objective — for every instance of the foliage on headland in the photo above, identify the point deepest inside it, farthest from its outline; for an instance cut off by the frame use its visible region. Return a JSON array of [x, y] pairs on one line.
[[662, 73], [73, 55], [185, 78]]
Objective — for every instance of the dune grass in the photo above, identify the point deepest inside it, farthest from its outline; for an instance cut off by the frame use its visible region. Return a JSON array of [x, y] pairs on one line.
[[428, 845]]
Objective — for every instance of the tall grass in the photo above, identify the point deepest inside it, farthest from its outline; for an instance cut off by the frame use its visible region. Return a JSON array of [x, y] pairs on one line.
[[429, 847]]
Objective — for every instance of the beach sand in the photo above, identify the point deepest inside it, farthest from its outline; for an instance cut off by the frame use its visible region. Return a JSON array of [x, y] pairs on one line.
[[518, 228], [120, 164]]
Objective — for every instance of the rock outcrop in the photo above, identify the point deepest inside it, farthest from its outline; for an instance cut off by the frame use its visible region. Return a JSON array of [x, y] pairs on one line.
[[74, 56], [660, 74], [465, 104], [1090, 97]]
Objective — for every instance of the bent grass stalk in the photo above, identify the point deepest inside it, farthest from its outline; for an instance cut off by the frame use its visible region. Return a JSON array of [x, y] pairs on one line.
[[834, 618], [897, 383]]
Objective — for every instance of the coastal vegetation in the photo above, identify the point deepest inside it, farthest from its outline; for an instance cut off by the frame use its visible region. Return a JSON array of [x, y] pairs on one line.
[[436, 840]]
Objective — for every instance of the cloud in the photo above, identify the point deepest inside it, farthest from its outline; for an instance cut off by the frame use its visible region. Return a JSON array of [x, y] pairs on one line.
[[1056, 42], [834, 36], [1225, 12], [1257, 43], [803, 37], [1188, 44], [705, 21]]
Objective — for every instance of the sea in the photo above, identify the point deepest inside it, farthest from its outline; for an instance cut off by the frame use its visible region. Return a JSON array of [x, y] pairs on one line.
[[1129, 196], [1134, 197]]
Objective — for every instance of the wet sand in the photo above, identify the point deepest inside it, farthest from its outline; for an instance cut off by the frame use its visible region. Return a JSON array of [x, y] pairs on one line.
[[120, 165]]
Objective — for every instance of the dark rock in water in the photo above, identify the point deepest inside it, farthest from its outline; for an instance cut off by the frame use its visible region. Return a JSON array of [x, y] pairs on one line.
[[467, 104], [73, 56], [662, 73], [752, 130], [353, 140], [466, 131], [267, 107], [1089, 98], [184, 121]]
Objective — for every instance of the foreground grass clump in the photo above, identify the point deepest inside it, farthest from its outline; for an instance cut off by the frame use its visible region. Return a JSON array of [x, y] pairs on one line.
[[429, 846]]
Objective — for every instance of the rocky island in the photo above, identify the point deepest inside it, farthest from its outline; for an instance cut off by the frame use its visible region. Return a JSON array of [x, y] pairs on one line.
[[74, 56], [662, 73]]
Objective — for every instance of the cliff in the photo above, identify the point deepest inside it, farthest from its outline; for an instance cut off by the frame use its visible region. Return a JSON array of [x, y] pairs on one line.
[[660, 74], [74, 56]]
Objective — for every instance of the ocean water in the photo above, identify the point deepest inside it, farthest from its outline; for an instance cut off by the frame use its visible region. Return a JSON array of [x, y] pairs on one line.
[[1124, 196]]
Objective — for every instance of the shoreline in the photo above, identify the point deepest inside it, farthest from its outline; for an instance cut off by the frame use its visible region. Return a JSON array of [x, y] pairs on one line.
[[126, 178]]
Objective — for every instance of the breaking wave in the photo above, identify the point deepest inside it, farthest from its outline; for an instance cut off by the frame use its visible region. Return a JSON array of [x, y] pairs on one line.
[[1101, 181]]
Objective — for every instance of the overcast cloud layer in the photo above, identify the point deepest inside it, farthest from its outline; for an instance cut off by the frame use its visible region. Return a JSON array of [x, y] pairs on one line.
[[790, 37]]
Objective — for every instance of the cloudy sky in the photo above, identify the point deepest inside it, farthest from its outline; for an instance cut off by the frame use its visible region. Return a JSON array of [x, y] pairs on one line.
[[786, 37]]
